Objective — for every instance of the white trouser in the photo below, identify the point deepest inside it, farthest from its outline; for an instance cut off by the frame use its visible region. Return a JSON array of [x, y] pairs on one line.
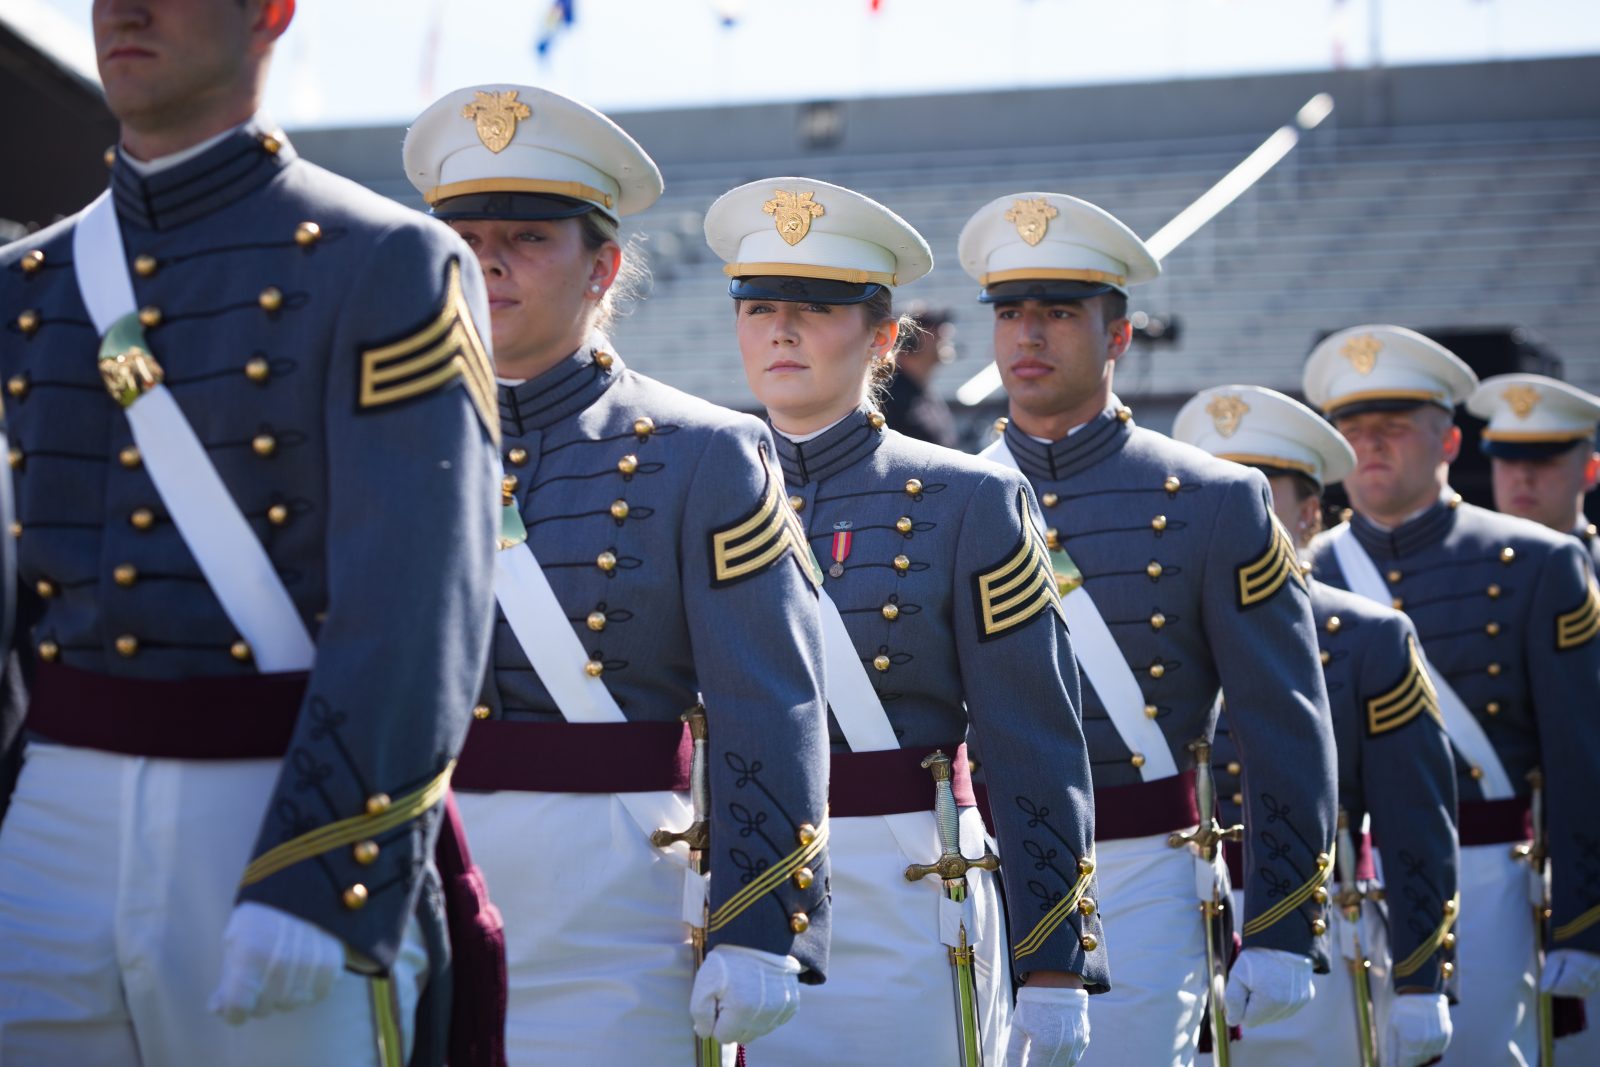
[[889, 998], [1582, 1048], [597, 953], [117, 876], [1494, 1022], [1157, 947], [1324, 1031]]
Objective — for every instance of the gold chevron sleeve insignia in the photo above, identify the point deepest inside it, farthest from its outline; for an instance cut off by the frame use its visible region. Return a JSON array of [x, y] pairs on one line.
[[757, 541], [448, 347], [1581, 623], [1021, 585], [1413, 696], [1413, 963], [1265, 575]]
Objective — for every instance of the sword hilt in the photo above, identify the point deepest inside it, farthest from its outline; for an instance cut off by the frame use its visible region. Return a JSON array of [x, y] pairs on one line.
[[1208, 832], [951, 864], [697, 835]]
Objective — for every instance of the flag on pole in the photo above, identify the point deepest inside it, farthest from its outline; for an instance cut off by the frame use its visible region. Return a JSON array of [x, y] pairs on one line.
[[556, 19]]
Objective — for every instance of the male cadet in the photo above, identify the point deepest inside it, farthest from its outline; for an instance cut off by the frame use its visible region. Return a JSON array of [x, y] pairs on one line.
[[218, 853], [1178, 581], [1541, 446], [1395, 768], [1508, 614]]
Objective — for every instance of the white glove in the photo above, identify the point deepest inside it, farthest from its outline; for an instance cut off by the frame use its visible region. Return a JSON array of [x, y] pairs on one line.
[[1265, 985], [1050, 1028], [742, 993], [272, 961], [1419, 1029], [1570, 972]]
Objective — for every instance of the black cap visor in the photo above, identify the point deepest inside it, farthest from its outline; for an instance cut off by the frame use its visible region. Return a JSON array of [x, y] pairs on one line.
[[1381, 403], [802, 290], [1044, 290], [512, 207], [1531, 449]]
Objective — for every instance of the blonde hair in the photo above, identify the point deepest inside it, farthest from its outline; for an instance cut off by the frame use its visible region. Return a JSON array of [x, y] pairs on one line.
[[879, 308], [633, 275]]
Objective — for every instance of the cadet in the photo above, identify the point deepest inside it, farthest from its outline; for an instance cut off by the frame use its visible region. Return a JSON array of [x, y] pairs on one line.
[[201, 809], [646, 564], [1507, 613], [1395, 768], [1177, 581], [1541, 447], [944, 619]]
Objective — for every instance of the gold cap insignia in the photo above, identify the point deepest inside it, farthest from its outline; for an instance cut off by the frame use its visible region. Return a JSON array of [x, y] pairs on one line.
[[1362, 352], [496, 116], [792, 214], [1226, 411], [1031, 218], [1522, 398]]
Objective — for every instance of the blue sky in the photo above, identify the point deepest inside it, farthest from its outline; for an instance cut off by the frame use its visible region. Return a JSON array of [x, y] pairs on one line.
[[350, 62]]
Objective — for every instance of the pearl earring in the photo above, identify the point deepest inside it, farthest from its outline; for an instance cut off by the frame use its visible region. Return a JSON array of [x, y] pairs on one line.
[[594, 288]]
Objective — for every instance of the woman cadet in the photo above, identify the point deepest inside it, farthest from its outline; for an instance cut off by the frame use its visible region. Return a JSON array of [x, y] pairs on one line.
[[940, 616], [647, 566]]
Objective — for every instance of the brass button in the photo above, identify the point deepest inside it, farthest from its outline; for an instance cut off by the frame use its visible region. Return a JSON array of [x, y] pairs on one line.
[[903, 524], [28, 321], [1158, 523], [109, 156], [1238, 799], [803, 877], [1151, 711], [1450, 907], [1052, 539], [1001, 423], [1455, 501], [240, 650], [799, 922], [16, 459], [1493, 591], [1153, 569], [876, 420], [145, 266], [271, 146], [517, 457], [1234, 767], [1323, 861], [1449, 940], [1393, 576], [1088, 942], [307, 234], [1492, 708], [49, 651], [129, 457], [378, 803], [271, 298], [1507, 554], [603, 360], [1475, 772], [914, 486], [355, 898], [482, 711], [596, 621], [1494, 670], [1086, 866], [644, 426], [1398, 603], [125, 574], [1446, 969], [594, 668], [1492, 629], [1172, 484], [1320, 894], [1124, 414], [1086, 905], [1157, 621], [127, 646], [32, 262], [606, 561], [508, 489], [797, 502], [150, 317], [805, 833], [278, 514], [881, 662], [1050, 500], [1318, 927], [258, 370], [263, 444], [1333, 624], [891, 611], [902, 563], [46, 588], [17, 386], [1137, 760], [16, 529], [142, 518], [628, 464], [365, 853], [619, 509], [1326, 657], [1157, 670]]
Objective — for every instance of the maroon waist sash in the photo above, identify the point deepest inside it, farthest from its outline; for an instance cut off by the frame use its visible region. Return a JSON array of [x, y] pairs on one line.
[[575, 757], [1140, 809], [1495, 822], [893, 781]]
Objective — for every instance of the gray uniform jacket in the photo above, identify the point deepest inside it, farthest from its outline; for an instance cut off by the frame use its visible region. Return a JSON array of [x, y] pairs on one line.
[[1200, 588], [944, 585], [660, 522], [1508, 612], [322, 342], [1395, 765]]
